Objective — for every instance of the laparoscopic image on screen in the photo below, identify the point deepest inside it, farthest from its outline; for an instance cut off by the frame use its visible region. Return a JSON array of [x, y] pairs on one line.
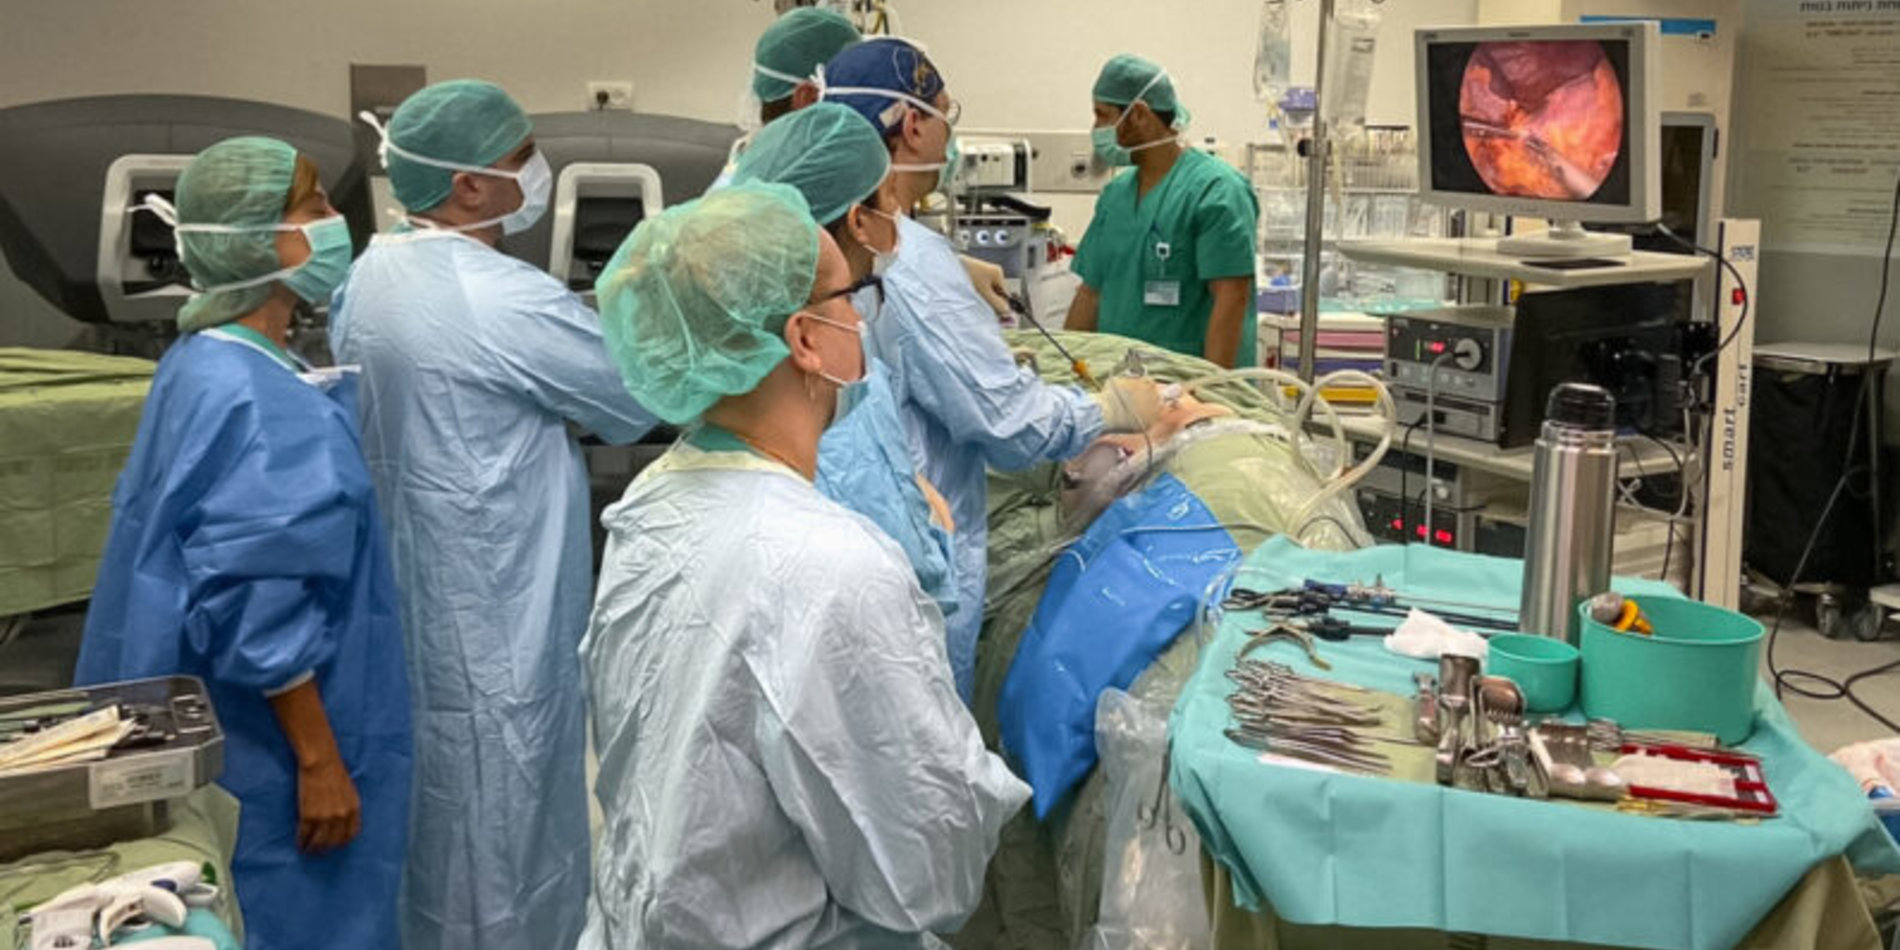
[[1544, 119]]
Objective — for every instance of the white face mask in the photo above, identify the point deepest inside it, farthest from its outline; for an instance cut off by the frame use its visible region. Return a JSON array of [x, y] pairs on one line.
[[855, 329], [883, 261], [535, 179]]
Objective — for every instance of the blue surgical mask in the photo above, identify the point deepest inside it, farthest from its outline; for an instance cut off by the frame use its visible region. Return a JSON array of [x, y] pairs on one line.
[[850, 392], [313, 280], [952, 164], [1111, 152], [330, 251]]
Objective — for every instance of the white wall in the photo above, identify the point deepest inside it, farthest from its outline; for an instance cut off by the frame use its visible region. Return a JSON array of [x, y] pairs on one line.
[[1015, 64]]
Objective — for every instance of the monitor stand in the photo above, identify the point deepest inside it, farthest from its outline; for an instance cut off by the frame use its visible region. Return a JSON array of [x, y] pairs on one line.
[[1565, 239]]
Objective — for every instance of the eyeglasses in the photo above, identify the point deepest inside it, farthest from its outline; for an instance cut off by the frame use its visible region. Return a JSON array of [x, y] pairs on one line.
[[954, 113], [868, 280]]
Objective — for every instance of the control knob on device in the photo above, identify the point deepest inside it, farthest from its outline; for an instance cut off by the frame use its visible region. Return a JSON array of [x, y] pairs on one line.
[[1466, 355]]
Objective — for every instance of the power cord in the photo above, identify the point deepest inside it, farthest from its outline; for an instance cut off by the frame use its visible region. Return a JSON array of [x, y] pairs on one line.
[[1405, 494], [1431, 440], [1790, 679], [1682, 497], [1748, 296]]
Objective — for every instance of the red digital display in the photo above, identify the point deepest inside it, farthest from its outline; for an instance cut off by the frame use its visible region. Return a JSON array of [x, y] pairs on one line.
[[1443, 537], [1436, 347]]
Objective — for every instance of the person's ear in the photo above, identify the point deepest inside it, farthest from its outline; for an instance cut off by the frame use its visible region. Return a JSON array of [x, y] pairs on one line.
[[804, 94], [465, 192], [1142, 117], [914, 129], [800, 339], [856, 220]]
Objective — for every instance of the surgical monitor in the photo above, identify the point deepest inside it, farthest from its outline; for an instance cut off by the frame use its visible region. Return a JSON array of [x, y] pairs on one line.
[[1556, 122]]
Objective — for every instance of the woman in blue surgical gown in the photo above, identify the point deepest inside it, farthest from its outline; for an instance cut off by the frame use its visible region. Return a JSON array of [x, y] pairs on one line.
[[246, 550], [784, 761]]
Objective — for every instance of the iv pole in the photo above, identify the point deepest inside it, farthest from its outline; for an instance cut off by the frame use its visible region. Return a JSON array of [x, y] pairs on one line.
[[1317, 149]]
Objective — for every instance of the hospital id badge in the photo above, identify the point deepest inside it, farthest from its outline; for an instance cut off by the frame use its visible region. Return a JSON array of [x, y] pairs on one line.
[[1162, 293]]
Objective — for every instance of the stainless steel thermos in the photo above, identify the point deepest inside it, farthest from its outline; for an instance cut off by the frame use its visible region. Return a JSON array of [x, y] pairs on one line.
[[1573, 510]]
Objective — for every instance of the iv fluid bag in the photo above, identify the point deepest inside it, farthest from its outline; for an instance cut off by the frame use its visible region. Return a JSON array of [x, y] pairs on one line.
[[1273, 54], [1349, 64]]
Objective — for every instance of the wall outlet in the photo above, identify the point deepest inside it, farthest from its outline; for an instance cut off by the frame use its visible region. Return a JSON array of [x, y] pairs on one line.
[[603, 95]]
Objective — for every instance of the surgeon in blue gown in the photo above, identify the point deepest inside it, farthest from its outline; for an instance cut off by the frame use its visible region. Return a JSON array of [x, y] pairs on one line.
[[479, 372], [246, 549], [967, 406], [837, 162]]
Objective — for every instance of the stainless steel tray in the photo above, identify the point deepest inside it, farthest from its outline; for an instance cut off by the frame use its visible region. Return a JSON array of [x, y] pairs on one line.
[[89, 804]]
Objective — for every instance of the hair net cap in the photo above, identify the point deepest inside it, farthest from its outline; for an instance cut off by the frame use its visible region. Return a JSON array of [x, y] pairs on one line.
[[796, 44], [466, 121], [694, 301], [883, 63], [241, 182], [827, 151], [1126, 76]]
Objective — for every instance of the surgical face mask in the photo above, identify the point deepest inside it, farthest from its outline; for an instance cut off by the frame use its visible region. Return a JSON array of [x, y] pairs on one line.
[[850, 392], [1108, 146], [1111, 152], [331, 248], [952, 164], [535, 179], [330, 251], [947, 169], [883, 261]]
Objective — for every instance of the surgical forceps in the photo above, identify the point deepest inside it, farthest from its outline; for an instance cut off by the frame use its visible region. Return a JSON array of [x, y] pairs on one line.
[[1161, 810]]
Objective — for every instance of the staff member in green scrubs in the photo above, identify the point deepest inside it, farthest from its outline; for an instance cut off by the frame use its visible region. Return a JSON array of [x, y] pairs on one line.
[[1169, 256]]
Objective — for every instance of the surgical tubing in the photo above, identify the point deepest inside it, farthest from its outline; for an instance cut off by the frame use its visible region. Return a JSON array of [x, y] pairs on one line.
[[1342, 478]]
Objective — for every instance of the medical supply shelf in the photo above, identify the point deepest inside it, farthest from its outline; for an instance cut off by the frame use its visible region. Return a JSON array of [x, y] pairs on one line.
[[1637, 453], [1479, 257]]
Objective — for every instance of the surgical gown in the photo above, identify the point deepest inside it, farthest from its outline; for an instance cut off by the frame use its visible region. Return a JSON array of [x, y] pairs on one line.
[[246, 550], [783, 759], [966, 405], [864, 464], [476, 368]]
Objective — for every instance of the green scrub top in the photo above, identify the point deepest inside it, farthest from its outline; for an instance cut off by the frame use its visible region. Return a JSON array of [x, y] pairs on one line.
[[1150, 259]]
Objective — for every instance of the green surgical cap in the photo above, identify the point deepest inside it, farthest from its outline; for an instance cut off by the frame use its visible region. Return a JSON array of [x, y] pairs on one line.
[[237, 182], [1124, 77], [829, 152], [464, 121], [796, 45], [694, 302]]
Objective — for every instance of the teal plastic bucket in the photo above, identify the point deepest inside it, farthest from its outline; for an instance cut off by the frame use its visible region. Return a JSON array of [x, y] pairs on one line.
[[1545, 670], [1696, 673]]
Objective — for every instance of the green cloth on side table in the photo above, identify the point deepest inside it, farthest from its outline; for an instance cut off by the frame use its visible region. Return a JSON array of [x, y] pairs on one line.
[[203, 829], [66, 425], [1324, 848]]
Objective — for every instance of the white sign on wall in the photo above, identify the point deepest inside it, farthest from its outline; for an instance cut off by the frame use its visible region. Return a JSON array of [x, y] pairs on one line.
[[1821, 93]]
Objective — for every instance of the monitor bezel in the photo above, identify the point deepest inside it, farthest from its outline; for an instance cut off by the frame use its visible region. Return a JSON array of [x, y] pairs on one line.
[[1645, 122]]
